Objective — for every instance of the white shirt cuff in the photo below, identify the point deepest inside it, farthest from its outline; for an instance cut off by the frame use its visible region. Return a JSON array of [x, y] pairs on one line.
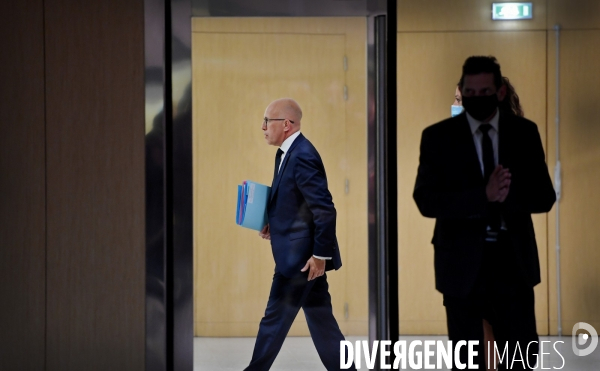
[[322, 258]]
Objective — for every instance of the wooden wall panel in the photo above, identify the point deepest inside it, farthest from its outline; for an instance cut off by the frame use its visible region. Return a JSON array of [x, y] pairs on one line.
[[253, 70], [95, 162], [22, 186], [429, 67], [462, 15], [580, 160], [579, 15], [239, 67]]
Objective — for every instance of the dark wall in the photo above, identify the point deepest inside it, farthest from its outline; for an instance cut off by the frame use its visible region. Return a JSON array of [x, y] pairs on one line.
[[72, 250], [22, 186]]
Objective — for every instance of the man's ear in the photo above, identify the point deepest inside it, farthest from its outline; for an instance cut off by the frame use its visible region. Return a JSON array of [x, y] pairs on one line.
[[501, 93]]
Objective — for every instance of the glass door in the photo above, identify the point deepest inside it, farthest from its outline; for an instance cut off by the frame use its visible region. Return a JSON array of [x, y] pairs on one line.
[[210, 278]]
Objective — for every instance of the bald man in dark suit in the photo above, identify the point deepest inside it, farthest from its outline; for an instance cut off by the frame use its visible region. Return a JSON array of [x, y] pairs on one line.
[[302, 221]]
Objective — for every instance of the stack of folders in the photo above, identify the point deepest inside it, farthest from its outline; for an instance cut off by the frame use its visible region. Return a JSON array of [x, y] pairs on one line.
[[252, 205]]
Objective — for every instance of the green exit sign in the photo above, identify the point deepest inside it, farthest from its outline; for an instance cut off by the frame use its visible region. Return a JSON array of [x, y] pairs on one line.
[[502, 11]]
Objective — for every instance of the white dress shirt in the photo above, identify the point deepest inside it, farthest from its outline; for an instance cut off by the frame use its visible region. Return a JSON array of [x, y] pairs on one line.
[[285, 146]]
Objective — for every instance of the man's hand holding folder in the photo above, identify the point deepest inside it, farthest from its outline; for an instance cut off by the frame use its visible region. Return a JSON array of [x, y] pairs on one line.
[[265, 233]]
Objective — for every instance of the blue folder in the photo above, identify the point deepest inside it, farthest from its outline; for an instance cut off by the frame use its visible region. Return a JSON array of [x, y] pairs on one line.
[[252, 202]]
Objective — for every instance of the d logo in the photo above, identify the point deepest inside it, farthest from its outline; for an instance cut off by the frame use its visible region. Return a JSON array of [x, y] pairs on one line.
[[581, 339]]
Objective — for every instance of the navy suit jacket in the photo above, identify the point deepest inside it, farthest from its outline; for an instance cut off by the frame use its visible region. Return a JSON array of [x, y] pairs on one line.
[[301, 213], [450, 187]]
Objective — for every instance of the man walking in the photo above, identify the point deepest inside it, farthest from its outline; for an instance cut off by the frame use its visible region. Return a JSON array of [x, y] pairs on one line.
[[301, 228]]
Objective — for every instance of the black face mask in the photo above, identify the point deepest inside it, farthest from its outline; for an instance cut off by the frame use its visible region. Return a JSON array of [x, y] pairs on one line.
[[481, 107]]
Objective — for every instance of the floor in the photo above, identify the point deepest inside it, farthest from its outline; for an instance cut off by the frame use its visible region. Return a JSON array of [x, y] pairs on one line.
[[299, 354]]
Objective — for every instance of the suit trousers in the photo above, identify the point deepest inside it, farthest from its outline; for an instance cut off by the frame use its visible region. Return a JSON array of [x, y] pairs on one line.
[[501, 296], [287, 296]]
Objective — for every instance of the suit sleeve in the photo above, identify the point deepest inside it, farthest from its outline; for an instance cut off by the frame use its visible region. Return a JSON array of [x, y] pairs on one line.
[[434, 197], [534, 193], [312, 183]]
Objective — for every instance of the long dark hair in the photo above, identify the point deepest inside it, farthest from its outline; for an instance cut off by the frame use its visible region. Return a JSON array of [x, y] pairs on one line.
[[511, 102]]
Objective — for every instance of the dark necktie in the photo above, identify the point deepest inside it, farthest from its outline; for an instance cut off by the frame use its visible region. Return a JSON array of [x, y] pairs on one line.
[[277, 163], [489, 164], [487, 152]]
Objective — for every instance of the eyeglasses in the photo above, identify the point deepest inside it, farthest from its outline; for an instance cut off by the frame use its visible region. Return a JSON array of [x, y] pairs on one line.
[[266, 121]]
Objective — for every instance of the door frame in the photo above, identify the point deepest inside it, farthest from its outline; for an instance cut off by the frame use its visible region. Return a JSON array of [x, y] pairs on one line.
[[169, 198]]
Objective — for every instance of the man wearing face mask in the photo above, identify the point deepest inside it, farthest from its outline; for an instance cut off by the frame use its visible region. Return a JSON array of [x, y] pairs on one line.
[[481, 175], [510, 103]]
